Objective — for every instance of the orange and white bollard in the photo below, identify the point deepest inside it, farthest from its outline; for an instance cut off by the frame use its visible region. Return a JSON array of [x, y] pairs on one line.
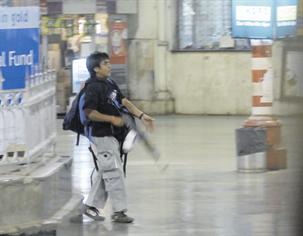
[[262, 103], [262, 77]]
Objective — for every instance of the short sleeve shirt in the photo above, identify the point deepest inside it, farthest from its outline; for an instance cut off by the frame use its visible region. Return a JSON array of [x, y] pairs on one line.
[[99, 95]]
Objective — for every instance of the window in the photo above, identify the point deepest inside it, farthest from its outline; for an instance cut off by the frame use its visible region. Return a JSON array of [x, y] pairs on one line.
[[206, 25]]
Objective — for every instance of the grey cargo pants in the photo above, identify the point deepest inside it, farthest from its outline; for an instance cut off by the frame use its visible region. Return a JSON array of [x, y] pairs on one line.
[[109, 180]]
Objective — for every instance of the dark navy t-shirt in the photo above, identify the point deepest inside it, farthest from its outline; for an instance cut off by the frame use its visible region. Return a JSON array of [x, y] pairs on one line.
[[99, 95]]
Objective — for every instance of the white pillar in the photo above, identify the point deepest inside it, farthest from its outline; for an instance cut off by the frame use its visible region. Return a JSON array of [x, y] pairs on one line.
[[161, 46]]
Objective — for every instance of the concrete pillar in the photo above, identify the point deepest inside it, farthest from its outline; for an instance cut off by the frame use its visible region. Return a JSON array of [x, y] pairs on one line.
[[162, 97], [160, 50], [148, 56], [262, 103]]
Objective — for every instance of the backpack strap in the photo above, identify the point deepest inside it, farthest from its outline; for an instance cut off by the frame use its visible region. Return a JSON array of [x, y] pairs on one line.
[[123, 157], [94, 157], [78, 138]]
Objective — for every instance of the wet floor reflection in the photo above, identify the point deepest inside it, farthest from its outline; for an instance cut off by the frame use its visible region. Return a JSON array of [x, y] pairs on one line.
[[201, 193]]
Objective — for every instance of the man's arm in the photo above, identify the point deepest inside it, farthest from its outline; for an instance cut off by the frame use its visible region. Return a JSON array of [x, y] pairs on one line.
[[132, 108], [148, 121], [94, 115]]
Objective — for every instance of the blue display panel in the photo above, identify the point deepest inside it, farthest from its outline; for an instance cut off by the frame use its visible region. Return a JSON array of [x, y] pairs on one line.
[[19, 47], [286, 18], [264, 19]]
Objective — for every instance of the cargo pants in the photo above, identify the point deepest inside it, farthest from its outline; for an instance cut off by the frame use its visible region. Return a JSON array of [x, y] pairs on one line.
[[109, 180]]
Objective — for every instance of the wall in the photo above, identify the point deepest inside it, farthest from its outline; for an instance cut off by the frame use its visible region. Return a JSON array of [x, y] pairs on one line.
[[198, 82], [211, 83], [193, 82], [282, 106]]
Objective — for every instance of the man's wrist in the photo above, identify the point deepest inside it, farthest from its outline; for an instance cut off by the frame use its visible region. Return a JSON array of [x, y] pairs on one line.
[[141, 116]]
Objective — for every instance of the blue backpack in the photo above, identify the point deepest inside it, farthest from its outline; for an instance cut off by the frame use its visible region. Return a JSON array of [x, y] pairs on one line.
[[75, 119]]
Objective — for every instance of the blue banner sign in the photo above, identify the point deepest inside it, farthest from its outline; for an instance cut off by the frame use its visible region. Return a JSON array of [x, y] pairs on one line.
[[286, 18], [264, 19], [19, 45]]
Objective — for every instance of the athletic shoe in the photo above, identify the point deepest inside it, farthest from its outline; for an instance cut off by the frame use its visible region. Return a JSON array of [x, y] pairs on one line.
[[121, 217], [92, 213]]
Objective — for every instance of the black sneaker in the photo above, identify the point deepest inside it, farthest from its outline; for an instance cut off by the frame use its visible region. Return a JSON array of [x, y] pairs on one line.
[[92, 213], [121, 217], [89, 211]]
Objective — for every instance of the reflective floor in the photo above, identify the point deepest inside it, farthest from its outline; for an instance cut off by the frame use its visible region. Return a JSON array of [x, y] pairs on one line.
[[201, 193]]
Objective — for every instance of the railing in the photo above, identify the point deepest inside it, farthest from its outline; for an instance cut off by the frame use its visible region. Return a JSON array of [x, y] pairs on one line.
[[28, 119]]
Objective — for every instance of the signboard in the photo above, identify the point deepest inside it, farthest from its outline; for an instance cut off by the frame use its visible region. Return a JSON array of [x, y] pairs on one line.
[[19, 47], [286, 18], [264, 19], [79, 74], [118, 50], [117, 40]]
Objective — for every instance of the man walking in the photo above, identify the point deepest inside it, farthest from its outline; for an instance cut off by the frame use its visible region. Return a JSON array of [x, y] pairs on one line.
[[100, 94]]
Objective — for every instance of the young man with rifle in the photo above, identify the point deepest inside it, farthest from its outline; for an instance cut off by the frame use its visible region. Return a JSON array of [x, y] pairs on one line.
[[102, 102]]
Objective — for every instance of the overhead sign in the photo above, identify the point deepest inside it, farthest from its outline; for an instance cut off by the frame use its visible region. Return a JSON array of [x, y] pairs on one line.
[[286, 18], [267, 19], [19, 47]]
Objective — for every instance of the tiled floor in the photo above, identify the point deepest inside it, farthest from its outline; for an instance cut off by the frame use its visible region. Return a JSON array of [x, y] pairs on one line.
[[201, 193]]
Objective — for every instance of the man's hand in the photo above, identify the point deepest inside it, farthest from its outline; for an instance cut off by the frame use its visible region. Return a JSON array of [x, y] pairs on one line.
[[148, 122], [117, 121]]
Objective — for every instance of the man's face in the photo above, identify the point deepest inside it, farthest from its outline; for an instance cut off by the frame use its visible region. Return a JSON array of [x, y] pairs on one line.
[[104, 69]]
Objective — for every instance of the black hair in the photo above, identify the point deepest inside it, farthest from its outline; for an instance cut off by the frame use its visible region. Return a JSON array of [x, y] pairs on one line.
[[94, 60]]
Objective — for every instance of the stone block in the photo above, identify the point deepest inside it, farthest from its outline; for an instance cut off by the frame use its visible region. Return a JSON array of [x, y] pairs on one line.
[[276, 158], [273, 135], [30, 199]]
